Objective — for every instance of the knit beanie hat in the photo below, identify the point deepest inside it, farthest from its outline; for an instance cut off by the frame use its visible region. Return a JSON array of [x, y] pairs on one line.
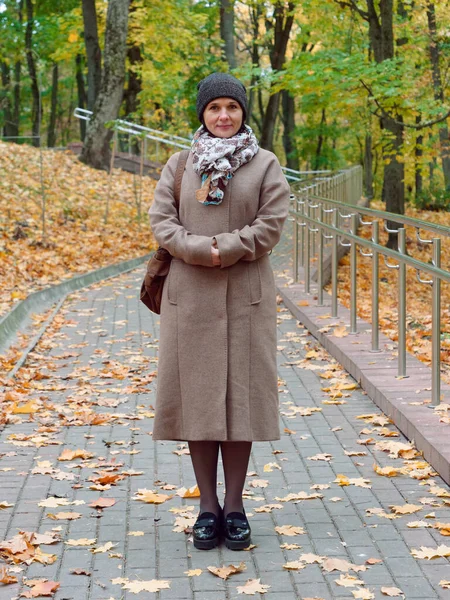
[[220, 85]]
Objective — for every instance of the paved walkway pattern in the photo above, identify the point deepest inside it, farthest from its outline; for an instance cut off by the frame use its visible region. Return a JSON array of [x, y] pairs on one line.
[[99, 362]]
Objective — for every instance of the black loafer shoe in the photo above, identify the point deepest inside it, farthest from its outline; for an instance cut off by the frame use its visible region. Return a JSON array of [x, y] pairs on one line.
[[206, 531], [237, 531]]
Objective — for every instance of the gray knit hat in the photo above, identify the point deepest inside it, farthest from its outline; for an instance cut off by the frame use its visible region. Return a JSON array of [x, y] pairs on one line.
[[220, 85]]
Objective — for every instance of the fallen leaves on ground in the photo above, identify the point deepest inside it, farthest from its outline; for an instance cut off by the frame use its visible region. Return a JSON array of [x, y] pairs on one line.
[[77, 239], [192, 492], [299, 496]]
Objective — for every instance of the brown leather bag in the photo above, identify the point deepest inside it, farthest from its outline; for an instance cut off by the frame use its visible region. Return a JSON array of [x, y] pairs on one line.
[[159, 264]]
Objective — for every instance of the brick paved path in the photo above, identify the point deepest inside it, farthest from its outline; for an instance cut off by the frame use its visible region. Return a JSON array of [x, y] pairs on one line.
[[105, 344]]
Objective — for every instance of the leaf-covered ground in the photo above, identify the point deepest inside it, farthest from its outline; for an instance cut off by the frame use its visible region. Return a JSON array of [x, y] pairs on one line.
[[341, 506], [77, 239], [418, 302]]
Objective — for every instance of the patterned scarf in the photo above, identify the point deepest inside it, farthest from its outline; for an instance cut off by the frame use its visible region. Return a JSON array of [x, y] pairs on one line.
[[216, 159]]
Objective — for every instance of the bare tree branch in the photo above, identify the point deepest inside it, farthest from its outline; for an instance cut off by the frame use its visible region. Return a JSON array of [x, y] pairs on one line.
[[352, 4], [417, 126]]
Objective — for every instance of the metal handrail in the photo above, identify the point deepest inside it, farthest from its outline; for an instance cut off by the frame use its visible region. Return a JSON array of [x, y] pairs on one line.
[[311, 211], [180, 142], [388, 216]]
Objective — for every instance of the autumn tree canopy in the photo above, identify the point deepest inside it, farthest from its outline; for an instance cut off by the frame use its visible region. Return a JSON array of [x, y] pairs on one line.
[[331, 82]]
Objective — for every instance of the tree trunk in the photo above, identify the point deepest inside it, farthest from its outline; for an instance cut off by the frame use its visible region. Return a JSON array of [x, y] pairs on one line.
[[81, 93], [5, 101], [393, 193], [281, 25], [320, 140], [93, 51], [290, 149], [418, 153], [36, 110], [96, 146], [51, 135], [438, 91], [255, 13], [368, 167], [134, 81], [227, 31], [381, 34]]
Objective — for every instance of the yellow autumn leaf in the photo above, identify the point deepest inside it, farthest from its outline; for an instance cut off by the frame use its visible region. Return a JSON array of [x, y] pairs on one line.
[[150, 497], [226, 572]]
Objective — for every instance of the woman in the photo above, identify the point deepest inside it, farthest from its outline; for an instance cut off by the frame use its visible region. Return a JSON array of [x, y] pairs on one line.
[[217, 377]]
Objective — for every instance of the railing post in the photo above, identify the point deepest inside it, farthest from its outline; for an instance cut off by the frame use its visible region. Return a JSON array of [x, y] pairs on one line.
[[320, 260], [402, 305], [334, 267], [307, 250], [436, 328], [375, 289], [295, 248], [302, 232], [353, 229]]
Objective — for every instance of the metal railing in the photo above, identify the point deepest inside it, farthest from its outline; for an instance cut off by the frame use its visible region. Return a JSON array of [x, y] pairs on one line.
[[135, 131], [325, 214]]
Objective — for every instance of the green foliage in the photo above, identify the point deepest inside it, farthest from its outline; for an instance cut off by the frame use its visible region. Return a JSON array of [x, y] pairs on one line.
[[435, 198]]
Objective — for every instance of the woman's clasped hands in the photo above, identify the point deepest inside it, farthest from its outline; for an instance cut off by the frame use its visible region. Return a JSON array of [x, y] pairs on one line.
[[215, 255]]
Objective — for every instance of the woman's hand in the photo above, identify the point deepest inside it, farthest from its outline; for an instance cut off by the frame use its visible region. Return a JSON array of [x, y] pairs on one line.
[[215, 255]]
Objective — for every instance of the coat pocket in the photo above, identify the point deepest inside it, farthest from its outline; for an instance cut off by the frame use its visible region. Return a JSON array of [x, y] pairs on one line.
[[254, 279], [171, 282]]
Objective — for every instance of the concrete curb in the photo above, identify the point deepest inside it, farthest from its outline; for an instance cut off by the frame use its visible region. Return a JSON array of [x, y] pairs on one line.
[[377, 375], [19, 316]]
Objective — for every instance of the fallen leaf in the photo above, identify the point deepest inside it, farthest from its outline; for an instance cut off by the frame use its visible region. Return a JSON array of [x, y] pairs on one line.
[[252, 587], [5, 577], [325, 457], [259, 483], [295, 565], [387, 471], [81, 542], [340, 564], [289, 530], [103, 548], [290, 546], [154, 585], [194, 572], [445, 584], [40, 588], [225, 572], [311, 559], [405, 509], [102, 503], [269, 467], [72, 454], [391, 591], [363, 594], [348, 581], [299, 496], [430, 553], [373, 561], [267, 508], [150, 497], [192, 492]]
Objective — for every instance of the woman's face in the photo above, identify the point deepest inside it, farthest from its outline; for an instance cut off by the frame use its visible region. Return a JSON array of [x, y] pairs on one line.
[[223, 117]]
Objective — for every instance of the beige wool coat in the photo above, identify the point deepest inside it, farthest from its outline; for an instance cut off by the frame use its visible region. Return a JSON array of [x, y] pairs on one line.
[[217, 374]]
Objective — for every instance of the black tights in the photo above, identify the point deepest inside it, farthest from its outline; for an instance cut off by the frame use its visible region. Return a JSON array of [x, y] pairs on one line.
[[235, 457]]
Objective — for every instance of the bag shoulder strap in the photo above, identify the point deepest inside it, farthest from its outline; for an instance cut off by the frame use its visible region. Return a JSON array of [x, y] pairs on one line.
[[182, 159]]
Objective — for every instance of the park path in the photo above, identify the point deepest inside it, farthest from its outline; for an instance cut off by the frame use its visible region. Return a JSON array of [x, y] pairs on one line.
[[100, 357]]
